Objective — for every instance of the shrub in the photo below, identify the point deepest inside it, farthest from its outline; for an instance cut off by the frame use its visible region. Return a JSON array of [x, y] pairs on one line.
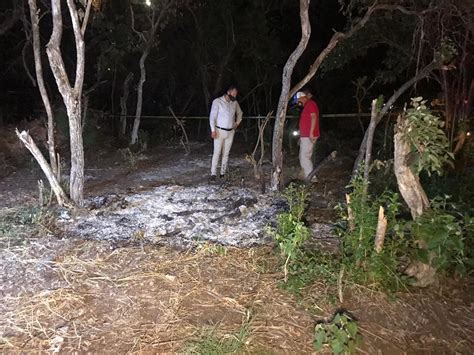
[[291, 232], [440, 234], [363, 263]]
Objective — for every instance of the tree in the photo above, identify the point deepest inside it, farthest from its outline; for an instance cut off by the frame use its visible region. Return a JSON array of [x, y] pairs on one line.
[[41, 85], [156, 20], [277, 154], [72, 95]]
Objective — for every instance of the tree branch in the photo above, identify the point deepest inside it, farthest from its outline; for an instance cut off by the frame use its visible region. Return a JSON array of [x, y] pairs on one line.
[[339, 36]]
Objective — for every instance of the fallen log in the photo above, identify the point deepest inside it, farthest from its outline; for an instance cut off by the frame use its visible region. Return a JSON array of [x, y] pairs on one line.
[[326, 160]]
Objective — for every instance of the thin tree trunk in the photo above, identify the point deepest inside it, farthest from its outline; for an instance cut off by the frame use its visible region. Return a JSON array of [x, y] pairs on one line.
[[421, 74], [149, 41], [370, 140], [408, 183], [277, 154], [138, 111], [41, 86], [123, 104], [55, 186]]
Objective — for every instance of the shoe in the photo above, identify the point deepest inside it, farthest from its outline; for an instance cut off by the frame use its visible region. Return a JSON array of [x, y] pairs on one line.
[[212, 178], [222, 176]]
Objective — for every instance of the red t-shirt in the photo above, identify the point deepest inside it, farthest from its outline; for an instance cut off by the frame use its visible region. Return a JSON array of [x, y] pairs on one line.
[[305, 119]]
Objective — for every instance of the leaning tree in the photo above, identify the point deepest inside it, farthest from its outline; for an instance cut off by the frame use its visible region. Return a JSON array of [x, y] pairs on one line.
[[287, 93]]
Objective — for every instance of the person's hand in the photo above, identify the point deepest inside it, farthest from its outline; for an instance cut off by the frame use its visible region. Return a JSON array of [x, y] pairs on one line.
[[312, 139], [235, 126], [214, 134]]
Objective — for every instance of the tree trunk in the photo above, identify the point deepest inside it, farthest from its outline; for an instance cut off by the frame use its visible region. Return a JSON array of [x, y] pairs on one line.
[[41, 85], [138, 111], [370, 139], [71, 95], [55, 186], [149, 41], [123, 104], [76, 176], [277, 154], [408, 183], [421, 74]]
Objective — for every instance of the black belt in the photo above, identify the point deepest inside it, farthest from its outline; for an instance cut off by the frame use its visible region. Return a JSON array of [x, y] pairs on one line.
[[225, 129]]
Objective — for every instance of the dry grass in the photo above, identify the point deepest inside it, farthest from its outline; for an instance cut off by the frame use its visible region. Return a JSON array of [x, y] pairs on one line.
[[67, 296], [130, 301]]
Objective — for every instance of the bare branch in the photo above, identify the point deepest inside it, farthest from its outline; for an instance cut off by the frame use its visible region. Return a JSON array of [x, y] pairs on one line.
[[86, 17], [340, 36], [41, 85], [80, 46]]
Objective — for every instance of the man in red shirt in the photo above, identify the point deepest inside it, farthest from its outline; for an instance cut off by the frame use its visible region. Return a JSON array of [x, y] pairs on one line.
[[309, 129]]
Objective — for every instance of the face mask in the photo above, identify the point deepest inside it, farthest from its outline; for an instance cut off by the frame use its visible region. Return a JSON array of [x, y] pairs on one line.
[[231, 98]]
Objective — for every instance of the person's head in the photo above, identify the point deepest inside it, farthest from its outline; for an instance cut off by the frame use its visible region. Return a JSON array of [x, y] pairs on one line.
[[232, 92], [303, 96]]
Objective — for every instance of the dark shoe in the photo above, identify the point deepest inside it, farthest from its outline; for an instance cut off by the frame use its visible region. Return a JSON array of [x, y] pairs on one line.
[[212, 178], [222, 177]]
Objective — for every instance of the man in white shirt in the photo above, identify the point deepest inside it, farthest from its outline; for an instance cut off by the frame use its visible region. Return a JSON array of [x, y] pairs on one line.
[[225, 117]]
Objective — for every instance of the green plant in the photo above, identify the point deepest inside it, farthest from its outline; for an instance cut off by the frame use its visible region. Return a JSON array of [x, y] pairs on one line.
[[209, 343], [19, 224], [363, 264], [341, 334], [291, 231], [424, 133], [309, 267], [440, 234]]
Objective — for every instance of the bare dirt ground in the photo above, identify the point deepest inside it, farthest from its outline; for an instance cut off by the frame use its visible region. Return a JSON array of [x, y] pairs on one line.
[[62, 291]]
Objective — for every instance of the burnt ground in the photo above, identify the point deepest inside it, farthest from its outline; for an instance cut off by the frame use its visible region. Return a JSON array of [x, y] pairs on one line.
[[153, 277]]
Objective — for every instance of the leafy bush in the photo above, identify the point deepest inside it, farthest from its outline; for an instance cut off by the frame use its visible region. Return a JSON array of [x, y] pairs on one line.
[[424, 133], [441, 236], [341, 334]]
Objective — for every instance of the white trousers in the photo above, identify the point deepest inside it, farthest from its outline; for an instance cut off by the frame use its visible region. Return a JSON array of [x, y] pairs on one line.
[[222, 144], [306, 155]]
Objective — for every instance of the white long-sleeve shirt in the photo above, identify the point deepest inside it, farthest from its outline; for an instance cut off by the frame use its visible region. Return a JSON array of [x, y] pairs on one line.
[[224, 114]]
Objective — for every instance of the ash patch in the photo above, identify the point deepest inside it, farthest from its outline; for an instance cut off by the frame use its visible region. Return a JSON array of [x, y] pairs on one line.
[[181, 216]]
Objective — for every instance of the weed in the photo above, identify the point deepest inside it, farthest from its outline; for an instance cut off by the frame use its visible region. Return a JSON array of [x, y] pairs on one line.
[[20, 224], [210, 343], [291, 232], [212, 249], [309, 267], [129, 157], [341, 334]]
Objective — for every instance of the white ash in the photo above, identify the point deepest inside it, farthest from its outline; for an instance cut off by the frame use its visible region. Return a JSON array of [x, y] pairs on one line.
[[183, 216]]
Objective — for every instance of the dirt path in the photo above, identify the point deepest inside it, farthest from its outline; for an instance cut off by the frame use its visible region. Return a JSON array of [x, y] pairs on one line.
[[75, 295]]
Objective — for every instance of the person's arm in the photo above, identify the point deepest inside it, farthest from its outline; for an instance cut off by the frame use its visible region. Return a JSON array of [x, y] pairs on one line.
[[313, 125], [213, 118], [239, 114], [314, 119]]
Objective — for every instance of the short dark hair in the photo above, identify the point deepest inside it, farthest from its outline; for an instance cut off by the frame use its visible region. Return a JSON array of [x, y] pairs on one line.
[[307, 91], [232, 87]]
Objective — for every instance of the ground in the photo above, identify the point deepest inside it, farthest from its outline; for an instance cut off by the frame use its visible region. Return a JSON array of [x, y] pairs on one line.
[[67, 287]]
